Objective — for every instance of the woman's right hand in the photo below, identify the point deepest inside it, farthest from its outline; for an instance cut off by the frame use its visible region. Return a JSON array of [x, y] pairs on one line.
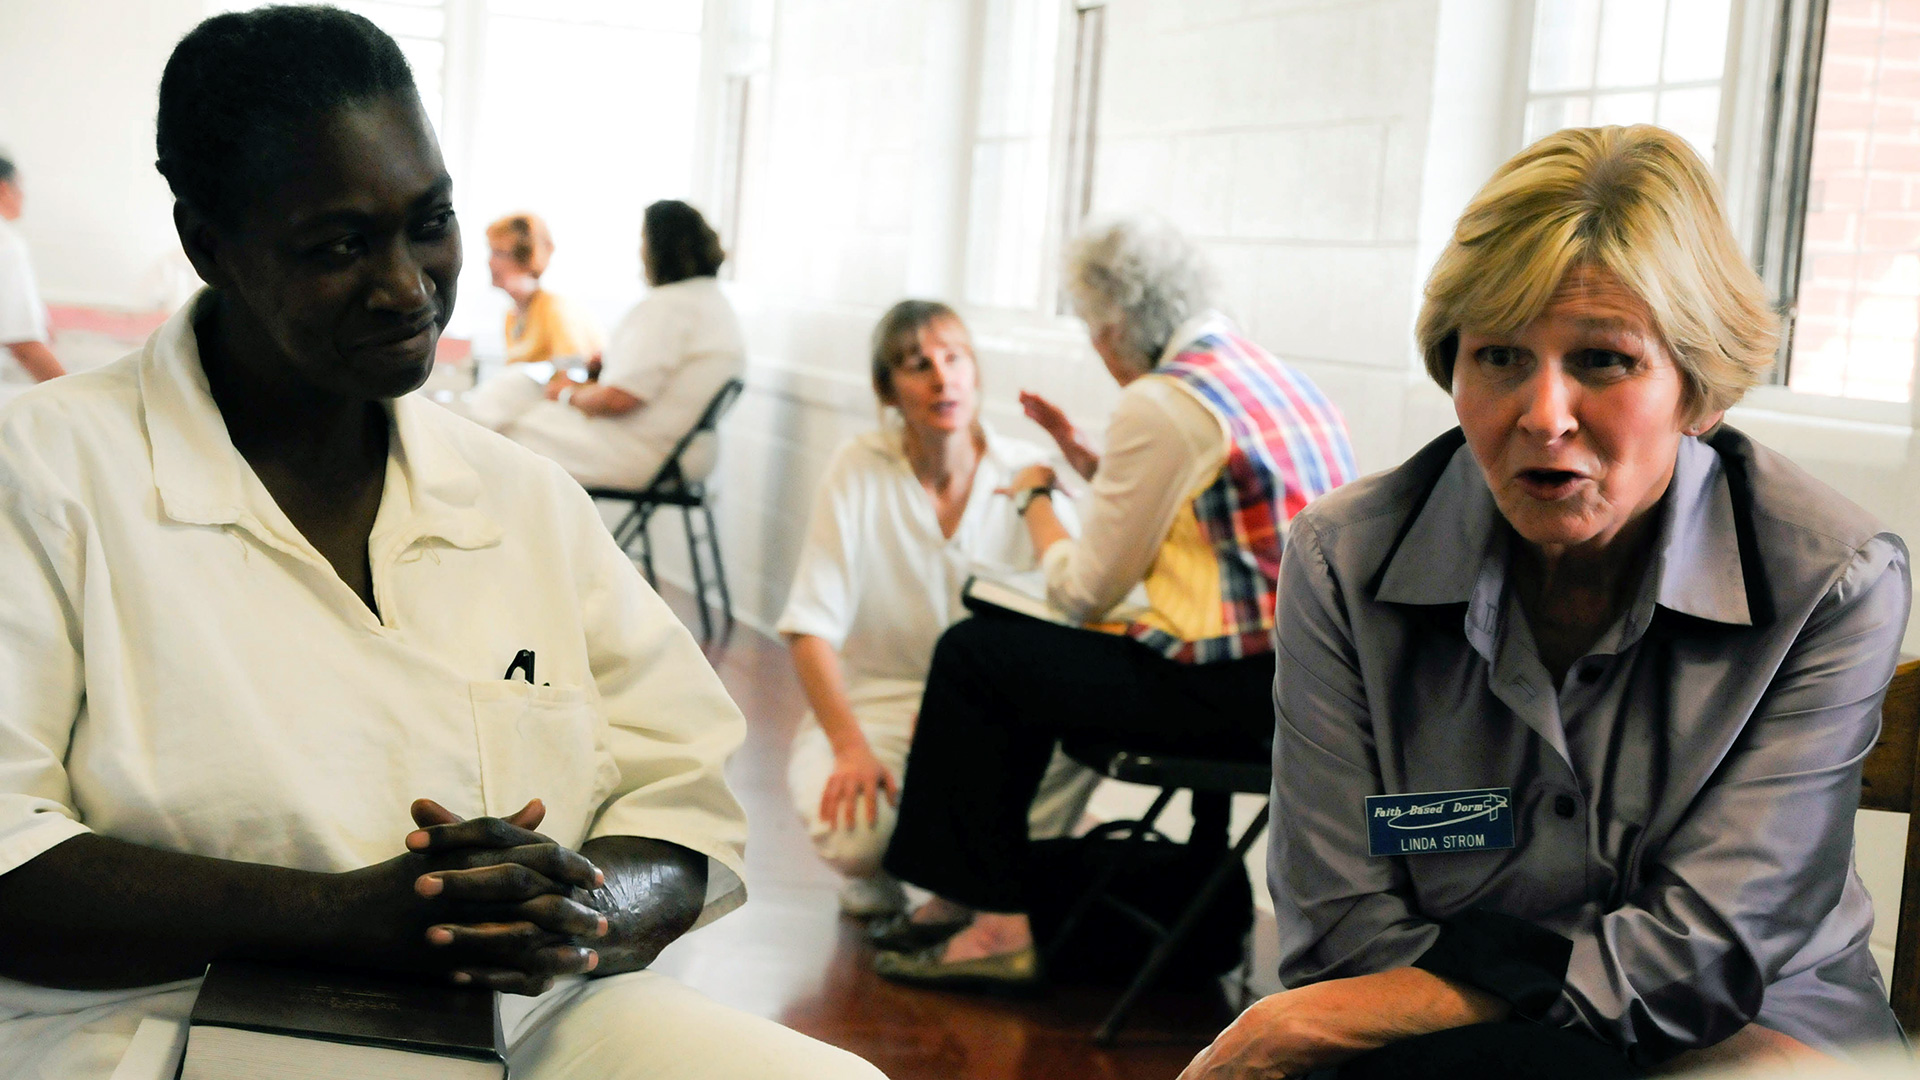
[[857, 776], [1053, 420], [489, 902]]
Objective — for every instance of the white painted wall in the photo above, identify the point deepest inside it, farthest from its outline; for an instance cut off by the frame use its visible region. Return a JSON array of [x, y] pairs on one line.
[[79, 83]]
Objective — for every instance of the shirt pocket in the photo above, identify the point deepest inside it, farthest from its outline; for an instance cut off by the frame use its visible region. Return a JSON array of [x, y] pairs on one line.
[[546, 743]]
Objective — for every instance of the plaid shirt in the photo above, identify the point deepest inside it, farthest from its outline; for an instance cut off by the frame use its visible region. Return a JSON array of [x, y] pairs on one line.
[[1287, 447]]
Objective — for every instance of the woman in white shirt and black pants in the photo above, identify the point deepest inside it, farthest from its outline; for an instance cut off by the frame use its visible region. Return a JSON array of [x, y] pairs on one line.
[[904, 515]]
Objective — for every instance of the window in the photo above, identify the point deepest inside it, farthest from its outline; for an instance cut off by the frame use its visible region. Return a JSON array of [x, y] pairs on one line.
[[1855, 291], [582, 111], [1032, 146], [1628, 62]]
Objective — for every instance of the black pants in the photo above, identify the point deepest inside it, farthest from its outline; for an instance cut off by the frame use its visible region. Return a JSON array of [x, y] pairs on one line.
[[1514, 1050], [1004, 689]]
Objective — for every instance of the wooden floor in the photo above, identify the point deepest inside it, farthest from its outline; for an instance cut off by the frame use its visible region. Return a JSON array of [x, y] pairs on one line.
[[788, 955]]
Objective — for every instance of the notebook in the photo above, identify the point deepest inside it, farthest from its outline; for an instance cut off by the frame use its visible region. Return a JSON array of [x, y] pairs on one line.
[[257, 1020], [1025, 593]]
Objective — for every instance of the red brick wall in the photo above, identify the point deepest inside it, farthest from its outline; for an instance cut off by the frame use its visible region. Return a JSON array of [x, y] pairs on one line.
[[1859, 313]]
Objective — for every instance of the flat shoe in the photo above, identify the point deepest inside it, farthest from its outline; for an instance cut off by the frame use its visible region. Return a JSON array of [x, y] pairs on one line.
[[899, 933], [1015, 974]]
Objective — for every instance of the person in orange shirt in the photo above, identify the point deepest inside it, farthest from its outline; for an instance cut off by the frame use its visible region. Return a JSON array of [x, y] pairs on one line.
[[541, 326]]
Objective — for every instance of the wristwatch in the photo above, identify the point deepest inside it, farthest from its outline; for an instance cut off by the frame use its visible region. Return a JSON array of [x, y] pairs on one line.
[[1024, 498]]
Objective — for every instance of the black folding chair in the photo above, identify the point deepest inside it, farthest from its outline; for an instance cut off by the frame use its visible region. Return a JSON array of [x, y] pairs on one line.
[[671, 486], [1213, 783]]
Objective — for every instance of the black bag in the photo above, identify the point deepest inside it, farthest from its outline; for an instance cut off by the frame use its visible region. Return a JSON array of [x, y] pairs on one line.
[[1158, 878]]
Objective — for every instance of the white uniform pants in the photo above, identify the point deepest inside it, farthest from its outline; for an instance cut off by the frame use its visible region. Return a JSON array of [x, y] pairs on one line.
[[638, 1026], [888, 724], [594, 451]]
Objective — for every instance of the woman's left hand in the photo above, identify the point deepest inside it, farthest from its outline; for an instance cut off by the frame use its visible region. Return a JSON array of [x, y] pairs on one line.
[[559, 382], [1033, 476], [1261, 1045], [1297, 1031]]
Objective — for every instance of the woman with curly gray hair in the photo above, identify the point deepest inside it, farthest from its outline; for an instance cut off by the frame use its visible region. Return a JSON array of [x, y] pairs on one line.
[[1212, 447]]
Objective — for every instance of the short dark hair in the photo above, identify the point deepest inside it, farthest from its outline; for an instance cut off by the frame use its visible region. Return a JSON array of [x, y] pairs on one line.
[[897, 332], [240, 88], [7, 170], [681, 242]]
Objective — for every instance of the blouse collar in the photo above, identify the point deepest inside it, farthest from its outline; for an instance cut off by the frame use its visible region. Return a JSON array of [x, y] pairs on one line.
[[1456, 549]]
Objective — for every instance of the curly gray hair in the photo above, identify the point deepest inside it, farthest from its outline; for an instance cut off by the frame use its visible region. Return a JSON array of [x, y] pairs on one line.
[[1141, 275]]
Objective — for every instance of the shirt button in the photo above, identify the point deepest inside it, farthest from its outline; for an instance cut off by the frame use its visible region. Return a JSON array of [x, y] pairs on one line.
[[1565, 806]]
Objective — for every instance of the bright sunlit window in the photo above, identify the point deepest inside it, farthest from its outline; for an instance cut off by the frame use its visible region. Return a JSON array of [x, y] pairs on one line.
[[1857, 314], [1628, 62], [584, 111]]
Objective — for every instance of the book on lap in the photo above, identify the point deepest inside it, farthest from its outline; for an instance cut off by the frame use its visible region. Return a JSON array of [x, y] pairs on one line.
[[1025, 593], [259, 1020]]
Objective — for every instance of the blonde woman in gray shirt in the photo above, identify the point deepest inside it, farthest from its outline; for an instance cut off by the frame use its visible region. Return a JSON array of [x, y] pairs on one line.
[[1572, 705]]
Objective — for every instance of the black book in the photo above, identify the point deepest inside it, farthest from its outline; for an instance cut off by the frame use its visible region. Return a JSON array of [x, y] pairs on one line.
[[256, 1020]]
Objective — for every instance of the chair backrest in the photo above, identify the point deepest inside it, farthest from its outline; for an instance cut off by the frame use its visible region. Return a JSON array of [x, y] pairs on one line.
[[1888, 782], [672, 473]]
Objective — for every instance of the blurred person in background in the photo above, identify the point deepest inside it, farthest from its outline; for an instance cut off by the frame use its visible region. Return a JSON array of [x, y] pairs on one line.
[[23, 318], [542, 328], [1213, 447], [903, 517], [662, 366]]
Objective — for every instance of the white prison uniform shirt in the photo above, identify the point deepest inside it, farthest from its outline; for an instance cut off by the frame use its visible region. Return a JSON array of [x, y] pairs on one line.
[[674, 351], [184, 671], [1163, 448], [23, 317], [879, 582]]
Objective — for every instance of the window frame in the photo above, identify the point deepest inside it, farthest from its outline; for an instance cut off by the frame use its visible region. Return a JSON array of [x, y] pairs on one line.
[[1072, 146]]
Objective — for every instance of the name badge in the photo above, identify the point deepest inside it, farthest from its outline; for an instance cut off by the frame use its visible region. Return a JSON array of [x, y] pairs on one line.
[[1440, 822]]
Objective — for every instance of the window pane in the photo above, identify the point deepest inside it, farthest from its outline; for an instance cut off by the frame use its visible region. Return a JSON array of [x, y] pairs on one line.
[[1013, 153], [1630, 42], [1635, 108], [1548, 115], [1857, 319], [672, 16], [549, 88], [1696, 40], [1694, 115], [1564, 35]]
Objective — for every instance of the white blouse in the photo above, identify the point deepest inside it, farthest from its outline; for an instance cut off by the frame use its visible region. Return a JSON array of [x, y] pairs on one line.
[[185, 671], [674, 351], [877, 579]]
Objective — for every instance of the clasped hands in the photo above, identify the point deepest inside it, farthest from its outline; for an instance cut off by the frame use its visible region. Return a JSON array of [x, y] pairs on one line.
[[489, 902]]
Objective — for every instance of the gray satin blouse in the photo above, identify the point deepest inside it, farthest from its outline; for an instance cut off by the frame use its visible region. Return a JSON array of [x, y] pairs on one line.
[[1682, 806]]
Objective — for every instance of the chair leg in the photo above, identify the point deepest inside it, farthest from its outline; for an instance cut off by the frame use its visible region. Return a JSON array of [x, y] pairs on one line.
[[623, 532], [719, 573], [1098, 888], [1163, 953], [699, 578], [646, 553]]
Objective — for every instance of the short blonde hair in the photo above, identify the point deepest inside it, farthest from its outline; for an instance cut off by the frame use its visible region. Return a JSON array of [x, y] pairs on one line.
[[527, 237], [1635, 201]]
